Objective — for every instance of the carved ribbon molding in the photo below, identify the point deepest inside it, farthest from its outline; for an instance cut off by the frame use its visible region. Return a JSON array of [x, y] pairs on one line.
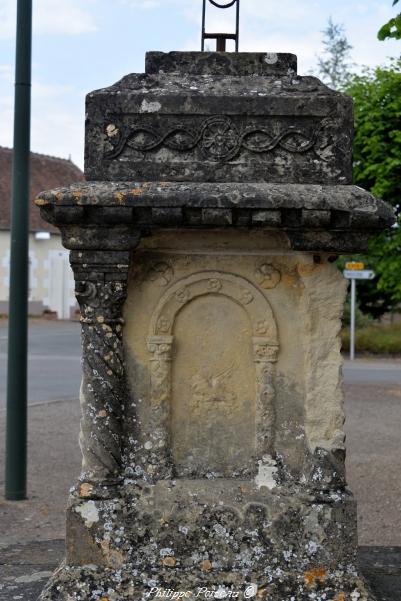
[[160, 346], [218, 138]]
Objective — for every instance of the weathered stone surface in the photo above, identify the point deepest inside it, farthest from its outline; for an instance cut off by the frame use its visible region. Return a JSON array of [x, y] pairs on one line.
[[212, 428], [219, 117], [101, 290], [24, 568], [234, 449], [238, 64]]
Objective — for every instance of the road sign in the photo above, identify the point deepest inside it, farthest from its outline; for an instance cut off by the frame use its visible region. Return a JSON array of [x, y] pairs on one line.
[[359, 274], [355, 272], [354, 265]]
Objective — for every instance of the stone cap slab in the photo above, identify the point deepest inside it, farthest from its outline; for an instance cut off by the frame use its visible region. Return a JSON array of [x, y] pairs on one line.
[[223, 63], [326, 218], [219, 117]]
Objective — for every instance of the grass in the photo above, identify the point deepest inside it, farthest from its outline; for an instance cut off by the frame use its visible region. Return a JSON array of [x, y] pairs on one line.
[[378, 339]]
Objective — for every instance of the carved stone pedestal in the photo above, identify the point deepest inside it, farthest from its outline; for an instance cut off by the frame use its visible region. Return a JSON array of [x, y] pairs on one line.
[[212, 419]]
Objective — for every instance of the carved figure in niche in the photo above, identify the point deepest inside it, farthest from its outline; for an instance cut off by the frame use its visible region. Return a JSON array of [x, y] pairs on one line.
[[212, 389], [217, 321], [161, 273], [267, 276]]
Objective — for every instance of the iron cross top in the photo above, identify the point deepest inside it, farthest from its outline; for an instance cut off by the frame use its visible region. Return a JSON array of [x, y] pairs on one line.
[[221, 38]]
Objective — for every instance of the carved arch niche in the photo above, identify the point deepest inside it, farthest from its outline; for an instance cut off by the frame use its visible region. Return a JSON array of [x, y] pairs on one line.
[[212, 396]]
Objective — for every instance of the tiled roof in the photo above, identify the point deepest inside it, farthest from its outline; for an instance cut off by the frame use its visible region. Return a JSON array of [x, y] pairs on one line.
[[46, 172]]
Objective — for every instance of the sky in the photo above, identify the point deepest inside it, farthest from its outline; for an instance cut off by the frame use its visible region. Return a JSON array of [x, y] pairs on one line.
[[82, 45]]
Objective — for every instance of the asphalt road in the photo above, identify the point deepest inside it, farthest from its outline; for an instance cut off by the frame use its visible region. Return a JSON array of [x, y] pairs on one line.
[[368, 371], [54, 369]]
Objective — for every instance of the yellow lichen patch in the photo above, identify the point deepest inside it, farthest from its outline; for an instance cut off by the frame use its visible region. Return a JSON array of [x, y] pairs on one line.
[[102, 413], [104, 599], [119, 196], [76, 194], [100, 318], [85, 489], [136, 191], [289, 280], [113, 557], [340, 597], [206, 565], [314, 574], [169, 561], [139, 188], [41, 201]]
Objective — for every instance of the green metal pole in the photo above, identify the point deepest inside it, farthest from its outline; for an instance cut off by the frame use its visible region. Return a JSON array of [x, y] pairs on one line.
[[16, 439]]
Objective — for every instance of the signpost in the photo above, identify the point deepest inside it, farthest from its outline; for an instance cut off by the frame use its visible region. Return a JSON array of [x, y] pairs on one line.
[[16, 444], [354, 270]]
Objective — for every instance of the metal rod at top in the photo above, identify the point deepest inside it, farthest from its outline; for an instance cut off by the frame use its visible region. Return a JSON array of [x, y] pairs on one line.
[[220, 38]]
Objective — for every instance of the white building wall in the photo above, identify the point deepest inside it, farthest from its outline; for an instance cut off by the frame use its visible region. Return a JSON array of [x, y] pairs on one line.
[[51, 282]]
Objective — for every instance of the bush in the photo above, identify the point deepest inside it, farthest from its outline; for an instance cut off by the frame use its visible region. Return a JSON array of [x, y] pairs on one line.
[[361, 319], [375, 339]]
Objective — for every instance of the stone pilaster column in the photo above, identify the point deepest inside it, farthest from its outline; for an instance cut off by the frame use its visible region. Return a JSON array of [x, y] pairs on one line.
[[160, 348], [101, 290], [265, 357]]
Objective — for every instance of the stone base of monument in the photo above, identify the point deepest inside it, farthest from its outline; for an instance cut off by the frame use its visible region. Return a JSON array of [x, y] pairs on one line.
[[211, 540], [238, 489]]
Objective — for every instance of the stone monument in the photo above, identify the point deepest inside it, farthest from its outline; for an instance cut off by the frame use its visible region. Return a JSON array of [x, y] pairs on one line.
[[218, 195]]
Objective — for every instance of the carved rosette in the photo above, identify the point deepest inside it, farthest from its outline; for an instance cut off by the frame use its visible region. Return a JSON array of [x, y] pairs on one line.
[[101, 290]]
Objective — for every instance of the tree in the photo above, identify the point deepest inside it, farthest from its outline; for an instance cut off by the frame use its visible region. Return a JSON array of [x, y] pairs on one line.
[[333, 66], [391, 29], [377, 167]]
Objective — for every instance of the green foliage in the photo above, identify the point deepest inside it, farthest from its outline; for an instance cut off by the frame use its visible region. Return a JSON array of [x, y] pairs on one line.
[[361, 319], [391, 29], [377, 167], [375, 338], [377, 141], [333, 67]]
